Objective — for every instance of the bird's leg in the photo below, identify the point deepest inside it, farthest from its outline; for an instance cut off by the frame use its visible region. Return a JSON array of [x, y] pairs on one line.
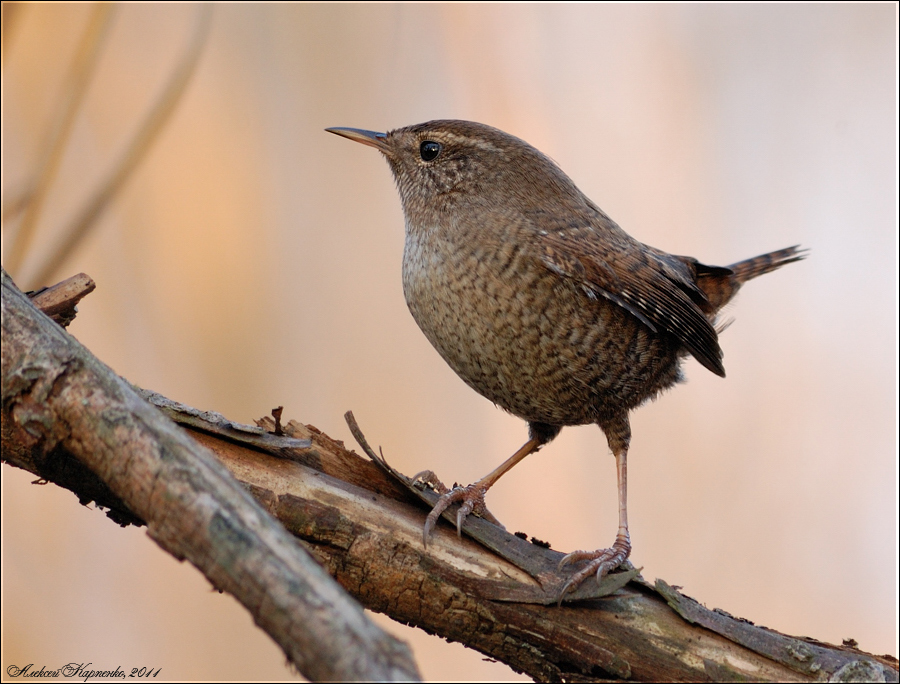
[[602, 561], [472, 497]]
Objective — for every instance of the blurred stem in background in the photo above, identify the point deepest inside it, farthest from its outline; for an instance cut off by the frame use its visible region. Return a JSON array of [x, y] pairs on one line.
[[82, 67], [32, 199]]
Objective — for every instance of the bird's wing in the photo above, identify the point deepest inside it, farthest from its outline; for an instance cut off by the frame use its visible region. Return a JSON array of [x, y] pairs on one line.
[[658, 289]]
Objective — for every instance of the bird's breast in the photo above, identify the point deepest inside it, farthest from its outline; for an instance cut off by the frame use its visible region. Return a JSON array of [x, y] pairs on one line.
[[528, 340]]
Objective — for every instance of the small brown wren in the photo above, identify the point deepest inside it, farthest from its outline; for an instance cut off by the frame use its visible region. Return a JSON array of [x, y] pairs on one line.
[[539, 301]]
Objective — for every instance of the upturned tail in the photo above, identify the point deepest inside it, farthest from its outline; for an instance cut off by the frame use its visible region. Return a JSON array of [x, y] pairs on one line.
[[721, 284], [757, 266]]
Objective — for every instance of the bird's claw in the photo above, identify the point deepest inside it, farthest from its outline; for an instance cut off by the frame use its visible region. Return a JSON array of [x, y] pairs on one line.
[[429, 478], [601, 562], [471, 500]]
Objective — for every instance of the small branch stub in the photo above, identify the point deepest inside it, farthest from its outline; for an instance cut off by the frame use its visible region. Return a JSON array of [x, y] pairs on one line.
[[276, 414], [59, 302]]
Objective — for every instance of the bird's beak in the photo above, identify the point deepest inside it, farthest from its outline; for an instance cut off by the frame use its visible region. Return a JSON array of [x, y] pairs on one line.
[[370, 138]]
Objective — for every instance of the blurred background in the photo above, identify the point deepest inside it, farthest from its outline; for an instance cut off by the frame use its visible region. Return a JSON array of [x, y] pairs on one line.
[[245, 259]]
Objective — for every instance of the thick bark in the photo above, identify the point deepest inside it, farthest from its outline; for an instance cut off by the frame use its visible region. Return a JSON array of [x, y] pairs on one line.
[[366, 527], [60, 403]]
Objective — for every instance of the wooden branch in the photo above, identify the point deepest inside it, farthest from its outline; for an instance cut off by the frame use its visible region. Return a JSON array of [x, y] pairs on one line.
[[366, 527], [369, 533], [58, 400]]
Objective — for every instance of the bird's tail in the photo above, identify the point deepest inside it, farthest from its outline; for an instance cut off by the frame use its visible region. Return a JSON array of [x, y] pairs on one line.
[[757, 266], [721, 284]]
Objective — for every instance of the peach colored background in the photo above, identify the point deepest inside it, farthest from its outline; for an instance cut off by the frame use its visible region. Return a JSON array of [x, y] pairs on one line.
[[254, 260]]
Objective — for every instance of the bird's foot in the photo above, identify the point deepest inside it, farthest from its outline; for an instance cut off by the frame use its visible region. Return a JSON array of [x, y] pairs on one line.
[[471, 500], [600, 562]]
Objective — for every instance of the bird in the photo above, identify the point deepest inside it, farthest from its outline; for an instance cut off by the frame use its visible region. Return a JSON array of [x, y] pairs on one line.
[[541, 303]]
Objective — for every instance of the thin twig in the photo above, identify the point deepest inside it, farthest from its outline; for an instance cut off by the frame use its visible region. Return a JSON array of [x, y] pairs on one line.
[[360, 437]]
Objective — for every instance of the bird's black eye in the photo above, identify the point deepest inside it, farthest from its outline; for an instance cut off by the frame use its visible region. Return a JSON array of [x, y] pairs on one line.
[[429, 150]]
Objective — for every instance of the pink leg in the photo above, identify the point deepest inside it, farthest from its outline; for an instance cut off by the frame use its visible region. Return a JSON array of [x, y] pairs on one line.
[[602, 561], [472, 497]]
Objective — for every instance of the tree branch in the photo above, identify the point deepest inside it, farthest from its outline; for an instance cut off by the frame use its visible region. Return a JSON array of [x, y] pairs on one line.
[[59, 401], [365, 526]]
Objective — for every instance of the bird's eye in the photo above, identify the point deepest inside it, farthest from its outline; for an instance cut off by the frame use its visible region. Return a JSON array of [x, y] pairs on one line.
[[429, 150]]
